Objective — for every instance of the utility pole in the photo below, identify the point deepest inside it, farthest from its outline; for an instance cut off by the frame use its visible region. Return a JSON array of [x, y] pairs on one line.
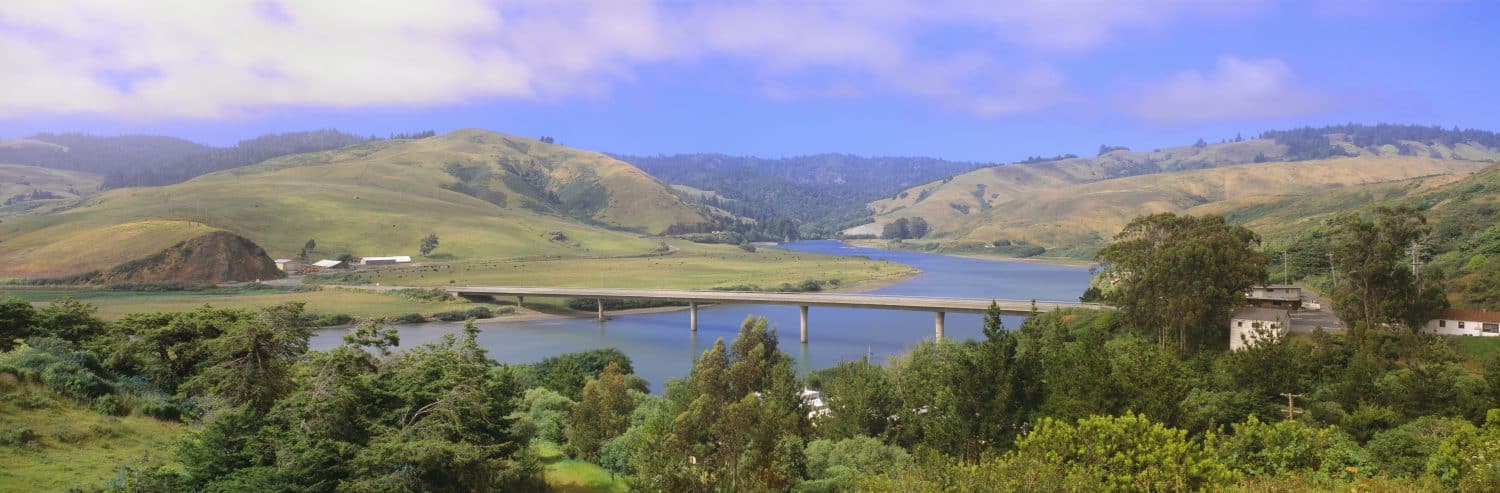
[[1286, 268], [1291, 406]]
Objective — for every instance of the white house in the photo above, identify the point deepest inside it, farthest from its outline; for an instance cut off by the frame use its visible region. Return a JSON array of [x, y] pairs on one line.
[[400, 259], [1249, 324], [814, 400], [1465, 323], [286, 264], [328, 264]]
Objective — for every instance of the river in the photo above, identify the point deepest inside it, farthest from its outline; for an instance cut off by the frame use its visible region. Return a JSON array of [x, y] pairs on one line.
[[662, 347]]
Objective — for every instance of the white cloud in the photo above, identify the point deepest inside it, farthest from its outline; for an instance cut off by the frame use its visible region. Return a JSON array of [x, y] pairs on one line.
[[230, 58], [1237, 88]]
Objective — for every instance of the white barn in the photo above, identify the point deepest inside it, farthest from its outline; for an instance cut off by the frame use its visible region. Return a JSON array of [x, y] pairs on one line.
[[1465, 323], [400, 259], [1246, 323]]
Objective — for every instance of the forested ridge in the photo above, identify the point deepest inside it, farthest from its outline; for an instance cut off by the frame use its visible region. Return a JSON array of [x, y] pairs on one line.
[[822, 191]]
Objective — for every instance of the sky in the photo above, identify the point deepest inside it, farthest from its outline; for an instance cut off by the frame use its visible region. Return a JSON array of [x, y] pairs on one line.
[[966, 80]]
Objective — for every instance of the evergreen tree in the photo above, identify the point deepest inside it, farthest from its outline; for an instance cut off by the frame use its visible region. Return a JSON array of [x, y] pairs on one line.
[[603, 414]]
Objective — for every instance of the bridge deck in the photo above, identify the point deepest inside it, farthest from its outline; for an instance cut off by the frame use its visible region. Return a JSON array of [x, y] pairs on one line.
[[919, 303]]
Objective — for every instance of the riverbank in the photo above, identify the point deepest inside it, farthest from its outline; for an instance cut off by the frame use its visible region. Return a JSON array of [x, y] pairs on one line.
[[1057, 261]]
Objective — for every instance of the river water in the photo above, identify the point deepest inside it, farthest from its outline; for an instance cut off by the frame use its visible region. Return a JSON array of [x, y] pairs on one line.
[[662, 347]]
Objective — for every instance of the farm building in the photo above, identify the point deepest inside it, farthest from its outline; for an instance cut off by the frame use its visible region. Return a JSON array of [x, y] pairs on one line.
[[286, 265], [1249, 324], [330, 264], [1465, 323], [402, 259], [1283, 296]]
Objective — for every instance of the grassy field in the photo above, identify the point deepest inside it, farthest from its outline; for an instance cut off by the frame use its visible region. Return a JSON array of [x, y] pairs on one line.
[[692, 266], [75, 446], [378, 198], [17, 180], [328, 301], [566, 475]]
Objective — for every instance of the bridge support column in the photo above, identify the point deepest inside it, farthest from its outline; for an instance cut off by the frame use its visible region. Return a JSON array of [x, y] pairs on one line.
[[520, 302], [601, 308], [804, 324], [938, 318], [693, 316]]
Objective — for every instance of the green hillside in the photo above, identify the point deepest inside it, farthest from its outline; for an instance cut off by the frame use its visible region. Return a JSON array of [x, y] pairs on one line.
[[486, 195], [26, 187]]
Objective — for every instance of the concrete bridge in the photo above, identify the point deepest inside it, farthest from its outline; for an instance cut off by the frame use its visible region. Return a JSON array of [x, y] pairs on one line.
[[939, 306]]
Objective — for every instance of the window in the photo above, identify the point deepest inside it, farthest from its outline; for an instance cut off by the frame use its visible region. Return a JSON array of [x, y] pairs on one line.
[[1460, 324], [1442, 323], [1241, 322], [1492, 328]]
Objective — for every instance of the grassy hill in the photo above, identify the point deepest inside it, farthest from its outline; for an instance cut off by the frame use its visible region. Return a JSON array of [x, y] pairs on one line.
[[26, 187], [1073, 205], [485, 194]]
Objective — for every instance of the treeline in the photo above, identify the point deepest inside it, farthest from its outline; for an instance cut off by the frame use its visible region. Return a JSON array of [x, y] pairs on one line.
[[144, 160], [1312, 143], [818, 192]]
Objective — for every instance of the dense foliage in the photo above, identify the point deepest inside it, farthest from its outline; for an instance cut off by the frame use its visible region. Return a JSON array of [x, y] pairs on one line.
[[1313, 143], [1178, 278]]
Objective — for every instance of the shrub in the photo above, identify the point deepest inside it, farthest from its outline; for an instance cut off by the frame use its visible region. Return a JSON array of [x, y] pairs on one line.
[[461, 315], [1127, 452], [18, 436], [423, 295], [1403, 451], [410, 318], [1292, 448]]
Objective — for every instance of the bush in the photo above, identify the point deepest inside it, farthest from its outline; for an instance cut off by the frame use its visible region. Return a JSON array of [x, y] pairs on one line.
[[1127, 452], [591, 304], [316, 320], [461, 315], [58, 365], [18, 436], [410, 318], [1292, 448], [423, 295], [1403, 451]]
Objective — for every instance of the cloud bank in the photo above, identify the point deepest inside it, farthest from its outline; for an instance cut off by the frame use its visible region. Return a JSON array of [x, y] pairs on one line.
[[237, 58]]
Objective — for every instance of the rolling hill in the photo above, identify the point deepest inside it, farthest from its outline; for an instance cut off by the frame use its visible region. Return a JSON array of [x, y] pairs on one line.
[[485, 194], [1072, 206], [26, 187]]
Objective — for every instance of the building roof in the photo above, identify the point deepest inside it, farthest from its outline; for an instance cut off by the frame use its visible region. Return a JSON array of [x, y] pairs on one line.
[[283, 260], [398, 258], [327, 263], [1253, 313], [1484, 316], [1278, 286]]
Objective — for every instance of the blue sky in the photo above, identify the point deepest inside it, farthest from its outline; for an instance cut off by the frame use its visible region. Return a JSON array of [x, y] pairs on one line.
[[959, 79]]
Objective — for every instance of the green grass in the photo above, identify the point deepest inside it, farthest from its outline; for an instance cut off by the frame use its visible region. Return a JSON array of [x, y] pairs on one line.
[[1476, 348], [693, 266], [75, 447], [566, 475]]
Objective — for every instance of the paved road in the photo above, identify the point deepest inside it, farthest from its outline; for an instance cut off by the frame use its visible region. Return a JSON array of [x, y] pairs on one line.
[[920, 303]]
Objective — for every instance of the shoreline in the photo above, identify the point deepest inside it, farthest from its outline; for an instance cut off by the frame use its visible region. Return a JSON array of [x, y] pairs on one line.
[[1056, 261]]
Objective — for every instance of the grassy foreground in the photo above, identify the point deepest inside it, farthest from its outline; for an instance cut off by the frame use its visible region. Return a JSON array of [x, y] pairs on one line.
[[71, 446], [566, 475], [328, 301]]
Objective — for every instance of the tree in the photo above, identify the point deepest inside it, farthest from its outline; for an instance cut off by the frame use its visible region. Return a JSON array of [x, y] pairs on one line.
[[1124, 453], [429, 244], [917, 227], [1177, 278], [861, 399], [17, 318], [252, 360], [603, 414], [1376, 285], [310, 245], [895, 229]]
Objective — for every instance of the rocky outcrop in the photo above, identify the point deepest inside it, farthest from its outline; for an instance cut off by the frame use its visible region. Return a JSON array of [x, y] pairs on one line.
[[215, 257]]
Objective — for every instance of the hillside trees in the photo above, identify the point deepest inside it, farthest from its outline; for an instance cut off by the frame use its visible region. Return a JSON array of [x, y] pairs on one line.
[[429, 243], [1177, 278], [17, 317], [1375, 284], [905, 228]]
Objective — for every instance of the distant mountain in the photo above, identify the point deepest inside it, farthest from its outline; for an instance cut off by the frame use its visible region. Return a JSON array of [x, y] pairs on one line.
[[485, 194], [1072, 206], [149, 160], [822, 188]]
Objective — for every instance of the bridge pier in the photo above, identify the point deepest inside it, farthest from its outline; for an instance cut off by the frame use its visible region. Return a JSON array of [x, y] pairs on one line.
[[601, 308], [804, 323], [693, 316], [938, 318]]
